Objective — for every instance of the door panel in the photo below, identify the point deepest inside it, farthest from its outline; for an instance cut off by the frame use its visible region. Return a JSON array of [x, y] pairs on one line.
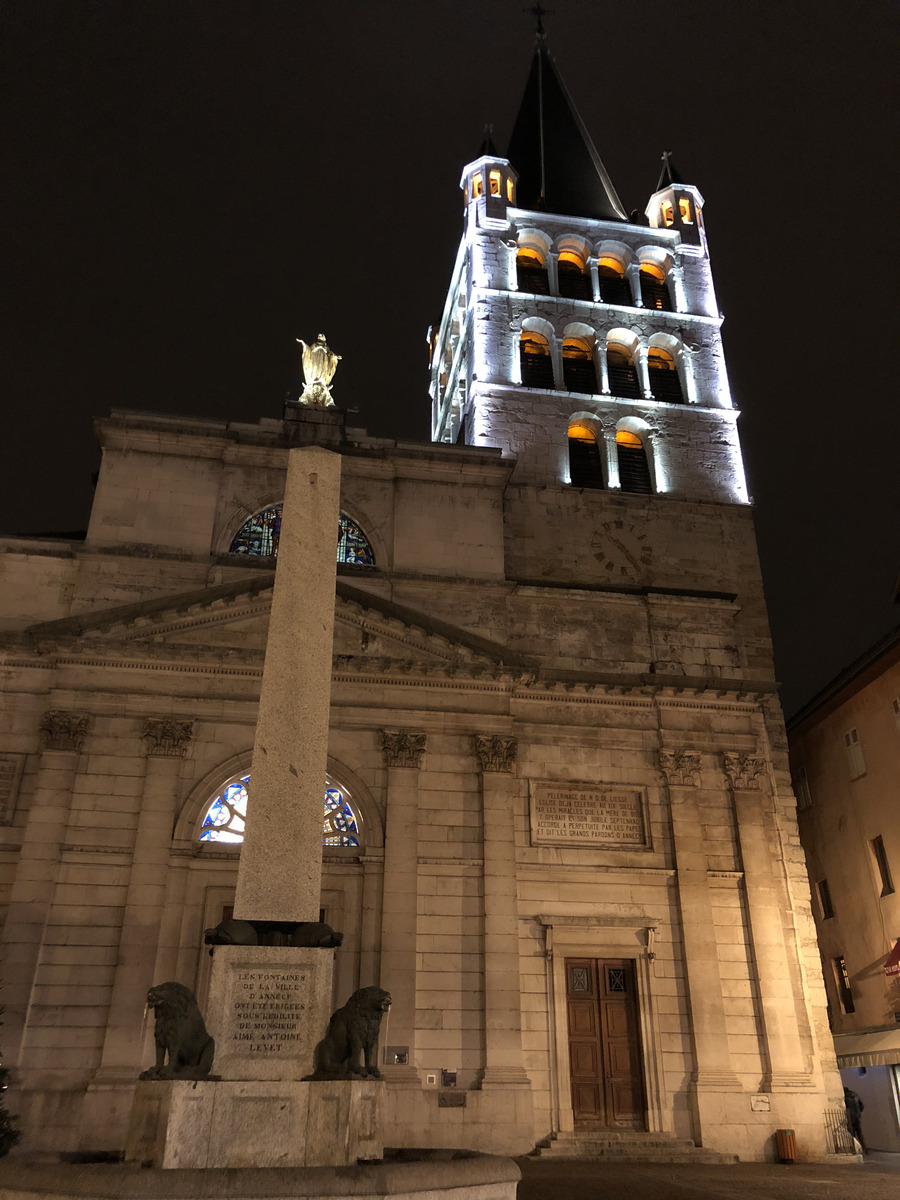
[[604, 1043]]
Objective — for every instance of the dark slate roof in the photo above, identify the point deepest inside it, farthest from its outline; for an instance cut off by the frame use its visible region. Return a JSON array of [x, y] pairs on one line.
[[558, 167], [488, 149], [668, 174]]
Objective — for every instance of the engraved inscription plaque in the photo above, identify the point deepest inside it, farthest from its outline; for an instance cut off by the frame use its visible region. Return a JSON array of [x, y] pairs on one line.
[[581, 814], [268, 1008]]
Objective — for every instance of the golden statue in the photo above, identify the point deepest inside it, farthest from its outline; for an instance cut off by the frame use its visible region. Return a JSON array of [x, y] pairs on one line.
[[319, 366]]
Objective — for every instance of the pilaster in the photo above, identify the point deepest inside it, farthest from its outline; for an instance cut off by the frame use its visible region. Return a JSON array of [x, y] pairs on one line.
[[503, 1062], [403, 753]]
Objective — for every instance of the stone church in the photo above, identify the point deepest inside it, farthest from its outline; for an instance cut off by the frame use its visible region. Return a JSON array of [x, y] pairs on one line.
[[558, 824]]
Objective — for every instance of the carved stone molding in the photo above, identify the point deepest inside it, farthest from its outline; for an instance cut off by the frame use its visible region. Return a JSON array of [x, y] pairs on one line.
[[680, 767], [165, 737], [495, 753], [64, 730], [402, 749], [744, 772]]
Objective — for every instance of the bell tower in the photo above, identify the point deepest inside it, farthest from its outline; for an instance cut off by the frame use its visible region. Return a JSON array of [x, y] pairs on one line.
[[583, 342]]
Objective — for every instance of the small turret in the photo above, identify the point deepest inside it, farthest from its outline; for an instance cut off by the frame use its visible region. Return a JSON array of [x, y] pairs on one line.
[[677, 205], [489, 186]]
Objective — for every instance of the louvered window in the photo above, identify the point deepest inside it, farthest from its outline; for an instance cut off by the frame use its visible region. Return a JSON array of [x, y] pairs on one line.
[[623, 376], [585, 467], [654, 292], [664, 381], [578, 366], [531, 273], [536, 364], [574, 282], [634, 470], [614, 287]]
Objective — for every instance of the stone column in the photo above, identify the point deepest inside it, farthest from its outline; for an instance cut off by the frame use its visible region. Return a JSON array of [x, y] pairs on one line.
[[633, 274], [713, 1070], [280, 872], [503, 1064], [108, 1099], [595, 279], [403, 756], [766, 902], [62, 736]]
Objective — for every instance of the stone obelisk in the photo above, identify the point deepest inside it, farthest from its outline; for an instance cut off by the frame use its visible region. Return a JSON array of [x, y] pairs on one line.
[[269, 1005]]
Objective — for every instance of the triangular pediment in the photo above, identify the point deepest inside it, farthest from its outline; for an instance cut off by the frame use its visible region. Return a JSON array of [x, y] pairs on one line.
[[233, 619]]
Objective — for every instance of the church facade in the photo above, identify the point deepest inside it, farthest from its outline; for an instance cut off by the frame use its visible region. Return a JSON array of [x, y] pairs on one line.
[[558, 823]]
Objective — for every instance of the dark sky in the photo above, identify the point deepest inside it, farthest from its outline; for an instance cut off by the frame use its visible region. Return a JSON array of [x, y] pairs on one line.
[[191, 186]]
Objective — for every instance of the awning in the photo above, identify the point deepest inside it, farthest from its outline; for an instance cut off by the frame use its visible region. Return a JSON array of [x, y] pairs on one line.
[[878, 1049], [892, 962]]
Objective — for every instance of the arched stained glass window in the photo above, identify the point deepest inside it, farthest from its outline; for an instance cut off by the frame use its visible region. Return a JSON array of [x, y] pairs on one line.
[[224, 820], [259, 536]]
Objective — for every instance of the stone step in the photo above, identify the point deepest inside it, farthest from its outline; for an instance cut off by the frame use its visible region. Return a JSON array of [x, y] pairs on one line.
[[634, 1147]]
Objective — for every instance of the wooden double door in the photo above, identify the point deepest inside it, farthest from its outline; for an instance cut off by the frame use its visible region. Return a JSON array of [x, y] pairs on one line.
[[604, 1043]]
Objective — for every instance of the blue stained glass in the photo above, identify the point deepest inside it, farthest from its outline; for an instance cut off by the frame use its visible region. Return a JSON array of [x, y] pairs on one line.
[[224, 819], [260, 534]]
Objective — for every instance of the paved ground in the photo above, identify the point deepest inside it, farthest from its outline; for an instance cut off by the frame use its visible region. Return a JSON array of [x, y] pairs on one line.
[[878, 1178]]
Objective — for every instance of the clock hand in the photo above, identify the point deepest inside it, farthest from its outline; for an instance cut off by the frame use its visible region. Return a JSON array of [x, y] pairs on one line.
[[634, 562]]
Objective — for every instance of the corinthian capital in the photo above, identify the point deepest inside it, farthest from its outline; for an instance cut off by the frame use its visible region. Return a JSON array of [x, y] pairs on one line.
[[495, 753], [744, 772], [64, 730], [167, 738], [680, 767], [402, 749]]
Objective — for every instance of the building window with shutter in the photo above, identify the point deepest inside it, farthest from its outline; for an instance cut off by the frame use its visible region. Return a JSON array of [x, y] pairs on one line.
[[535, 361], [585, 467], [825, 900], [842, 979], [634, 469], [881, 862], [854, 754], [801, 789]]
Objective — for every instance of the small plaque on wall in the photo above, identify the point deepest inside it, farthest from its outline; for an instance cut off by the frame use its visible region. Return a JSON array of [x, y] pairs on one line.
[[583, 814]]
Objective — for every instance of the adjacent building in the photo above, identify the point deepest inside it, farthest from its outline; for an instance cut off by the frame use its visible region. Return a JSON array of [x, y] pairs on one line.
[[558, 821], [845, 757]]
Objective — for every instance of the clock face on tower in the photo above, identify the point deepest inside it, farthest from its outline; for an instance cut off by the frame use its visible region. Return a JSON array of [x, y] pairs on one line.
[[623, 550]]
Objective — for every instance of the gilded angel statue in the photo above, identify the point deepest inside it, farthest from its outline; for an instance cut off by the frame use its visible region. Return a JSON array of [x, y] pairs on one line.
[[319, 366]]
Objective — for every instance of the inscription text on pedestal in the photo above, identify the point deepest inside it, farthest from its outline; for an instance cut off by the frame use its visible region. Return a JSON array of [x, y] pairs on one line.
[[269, 1006], [581, 814]]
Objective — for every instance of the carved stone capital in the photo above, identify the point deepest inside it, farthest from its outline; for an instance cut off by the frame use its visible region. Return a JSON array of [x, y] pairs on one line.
[[744, 772], [402, 749], [64, 730], [495, 753], [680, 767], [165, 737]]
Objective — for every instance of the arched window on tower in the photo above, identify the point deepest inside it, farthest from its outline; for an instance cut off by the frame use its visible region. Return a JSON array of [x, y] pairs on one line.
[[579, 374], [634, 470], [654, 291], [259, 536], [531, 271], [574, 281], [614, 286], [223, 820], [623, 376], [664, 381], [585, 466], [535, 360]]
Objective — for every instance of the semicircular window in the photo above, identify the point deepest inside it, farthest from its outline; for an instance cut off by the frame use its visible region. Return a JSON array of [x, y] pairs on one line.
[[259, 536], [224, 819]]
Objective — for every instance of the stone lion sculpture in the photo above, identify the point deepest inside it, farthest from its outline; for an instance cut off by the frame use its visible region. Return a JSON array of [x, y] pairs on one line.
[[352, 1032], [180, 1034]]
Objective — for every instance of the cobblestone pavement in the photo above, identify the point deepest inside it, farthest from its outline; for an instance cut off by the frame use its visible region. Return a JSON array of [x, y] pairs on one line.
[[878, 1178]]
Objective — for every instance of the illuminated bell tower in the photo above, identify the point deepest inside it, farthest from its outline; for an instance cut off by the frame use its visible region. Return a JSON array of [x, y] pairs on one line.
[[583, 342]]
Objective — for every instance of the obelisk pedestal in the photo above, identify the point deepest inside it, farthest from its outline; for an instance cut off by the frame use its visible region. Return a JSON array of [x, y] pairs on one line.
[[270, 1005]]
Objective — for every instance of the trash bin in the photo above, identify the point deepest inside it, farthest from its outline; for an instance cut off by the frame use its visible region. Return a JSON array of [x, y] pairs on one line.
[[786, 1143]]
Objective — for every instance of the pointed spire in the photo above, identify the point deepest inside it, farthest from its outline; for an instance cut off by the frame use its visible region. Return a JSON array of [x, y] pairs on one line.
[[667, 174], [488, 149], [559, 169]]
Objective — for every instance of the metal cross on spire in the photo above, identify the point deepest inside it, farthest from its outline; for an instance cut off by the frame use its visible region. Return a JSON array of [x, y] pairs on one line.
[[539, 12]]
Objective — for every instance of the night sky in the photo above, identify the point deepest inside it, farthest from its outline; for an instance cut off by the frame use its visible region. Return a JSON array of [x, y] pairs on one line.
[[192, 186]]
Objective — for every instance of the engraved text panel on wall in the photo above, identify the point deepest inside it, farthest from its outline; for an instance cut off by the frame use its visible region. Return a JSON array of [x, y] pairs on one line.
[[581, 814]]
